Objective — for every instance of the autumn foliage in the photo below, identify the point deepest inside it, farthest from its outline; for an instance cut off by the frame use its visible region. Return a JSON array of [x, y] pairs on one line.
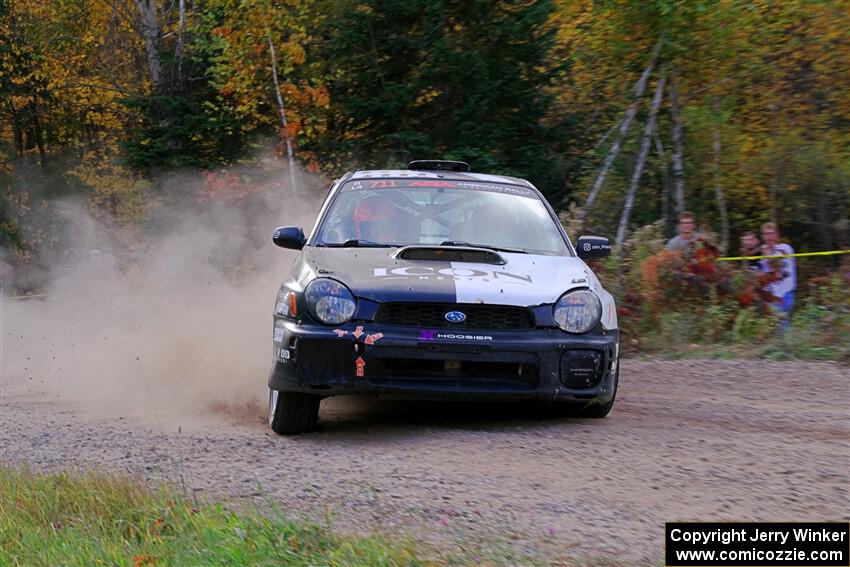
[[101, 99]]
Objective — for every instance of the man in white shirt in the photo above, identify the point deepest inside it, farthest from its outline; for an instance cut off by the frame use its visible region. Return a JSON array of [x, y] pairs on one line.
[[683, 243], [783, 288]]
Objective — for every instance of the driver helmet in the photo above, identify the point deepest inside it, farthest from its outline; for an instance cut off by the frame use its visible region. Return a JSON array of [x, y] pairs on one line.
[[376, 219]]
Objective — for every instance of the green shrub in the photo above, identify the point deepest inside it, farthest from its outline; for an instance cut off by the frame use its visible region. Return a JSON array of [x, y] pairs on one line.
[[95, 519], [669, 306], [751, 325]]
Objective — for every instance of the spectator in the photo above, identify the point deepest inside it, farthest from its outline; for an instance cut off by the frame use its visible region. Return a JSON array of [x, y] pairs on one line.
[[785, 269], [687, 237], [750, 246]]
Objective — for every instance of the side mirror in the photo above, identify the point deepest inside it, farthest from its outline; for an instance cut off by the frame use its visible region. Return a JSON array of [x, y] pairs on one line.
[[589, 247], [291, 237]]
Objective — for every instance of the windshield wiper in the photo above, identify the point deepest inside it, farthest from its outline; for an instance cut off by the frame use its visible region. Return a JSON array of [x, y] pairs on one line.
[[359, 243], [485, 246]]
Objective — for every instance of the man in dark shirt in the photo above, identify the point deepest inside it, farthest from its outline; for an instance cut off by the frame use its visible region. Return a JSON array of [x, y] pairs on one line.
[[750, 246]]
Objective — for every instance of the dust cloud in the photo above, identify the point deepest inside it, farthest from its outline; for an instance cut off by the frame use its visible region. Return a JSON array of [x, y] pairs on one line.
[[172, 320]]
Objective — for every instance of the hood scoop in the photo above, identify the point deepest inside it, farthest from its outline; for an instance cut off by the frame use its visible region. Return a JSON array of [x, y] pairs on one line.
[[450, 254]]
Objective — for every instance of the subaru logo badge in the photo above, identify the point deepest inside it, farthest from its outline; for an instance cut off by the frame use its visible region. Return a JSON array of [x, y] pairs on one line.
[[455, 317]]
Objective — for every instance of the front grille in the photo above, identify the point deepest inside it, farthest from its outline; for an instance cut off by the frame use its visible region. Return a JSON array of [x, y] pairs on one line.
[[433, 315], [420, 373]]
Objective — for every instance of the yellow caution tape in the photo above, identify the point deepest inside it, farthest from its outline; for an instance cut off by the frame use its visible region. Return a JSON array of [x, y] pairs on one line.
[[798, 255]]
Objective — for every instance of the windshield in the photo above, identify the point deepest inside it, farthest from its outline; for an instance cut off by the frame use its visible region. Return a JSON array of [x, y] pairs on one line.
[[399, 212]]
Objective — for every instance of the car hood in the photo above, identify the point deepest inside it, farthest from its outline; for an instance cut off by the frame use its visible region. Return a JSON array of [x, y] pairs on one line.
[[376, 274]]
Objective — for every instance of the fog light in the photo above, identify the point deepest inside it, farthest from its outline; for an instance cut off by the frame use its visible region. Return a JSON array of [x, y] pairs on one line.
[[581, 368]]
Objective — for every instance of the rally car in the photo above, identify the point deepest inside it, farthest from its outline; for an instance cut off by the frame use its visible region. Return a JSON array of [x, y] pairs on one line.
[[436, 282]]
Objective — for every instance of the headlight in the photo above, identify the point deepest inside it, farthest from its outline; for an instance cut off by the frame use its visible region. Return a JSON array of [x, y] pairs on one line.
[[329, 301], [578, 311]]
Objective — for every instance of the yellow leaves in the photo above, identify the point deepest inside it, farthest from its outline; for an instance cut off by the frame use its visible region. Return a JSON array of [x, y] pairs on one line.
[[61, 71], [243, 71], [427, 96], [113, 190], [295, 52]]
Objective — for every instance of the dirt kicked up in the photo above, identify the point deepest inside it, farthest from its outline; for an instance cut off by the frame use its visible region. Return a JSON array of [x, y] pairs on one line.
[[687, 440]]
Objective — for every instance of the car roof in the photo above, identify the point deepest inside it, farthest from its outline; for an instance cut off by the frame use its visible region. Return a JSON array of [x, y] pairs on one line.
[[420, 174]]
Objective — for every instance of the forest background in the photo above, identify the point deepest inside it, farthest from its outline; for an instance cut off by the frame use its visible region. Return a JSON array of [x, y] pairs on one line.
[[623, 112]]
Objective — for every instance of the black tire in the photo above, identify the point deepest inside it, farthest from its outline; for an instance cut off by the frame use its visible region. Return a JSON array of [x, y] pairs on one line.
[[292, 413], [589, 410]]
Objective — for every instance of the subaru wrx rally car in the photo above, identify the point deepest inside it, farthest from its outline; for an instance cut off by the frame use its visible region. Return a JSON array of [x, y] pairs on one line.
[[437, 282]]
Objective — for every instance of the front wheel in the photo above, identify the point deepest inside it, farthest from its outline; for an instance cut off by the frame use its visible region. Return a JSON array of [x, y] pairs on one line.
[[292, 413]]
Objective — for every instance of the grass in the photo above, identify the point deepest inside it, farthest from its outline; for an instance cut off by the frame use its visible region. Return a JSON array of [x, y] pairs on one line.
[[91, 519]]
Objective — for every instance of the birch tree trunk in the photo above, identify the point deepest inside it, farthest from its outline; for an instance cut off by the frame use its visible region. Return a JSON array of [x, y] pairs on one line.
[[283, 124], [718, 193], [178, 50], [604, 138], [641, 160], [676, 157], [614, 151], [665, 178], [150, 34]]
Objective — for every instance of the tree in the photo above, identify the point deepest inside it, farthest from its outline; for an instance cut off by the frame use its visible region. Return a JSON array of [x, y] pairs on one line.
[[184, 118], [257, 83], [425, 79]]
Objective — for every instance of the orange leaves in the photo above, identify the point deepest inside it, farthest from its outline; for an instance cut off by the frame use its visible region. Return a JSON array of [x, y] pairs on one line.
[[321, 96], [293, 50], [656, 272], [226, 186], [290, 130], [243, 70]]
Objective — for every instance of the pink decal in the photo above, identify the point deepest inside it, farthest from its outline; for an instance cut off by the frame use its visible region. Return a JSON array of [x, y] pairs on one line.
[[340, 333], [432, 184], [372, 339], [361, 365], [358, 332]]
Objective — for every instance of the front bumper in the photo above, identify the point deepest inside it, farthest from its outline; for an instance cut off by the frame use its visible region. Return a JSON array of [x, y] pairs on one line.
[[361, 358]]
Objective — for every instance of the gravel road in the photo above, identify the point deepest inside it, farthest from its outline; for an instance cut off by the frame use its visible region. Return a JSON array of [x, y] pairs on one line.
[[687, 440]]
